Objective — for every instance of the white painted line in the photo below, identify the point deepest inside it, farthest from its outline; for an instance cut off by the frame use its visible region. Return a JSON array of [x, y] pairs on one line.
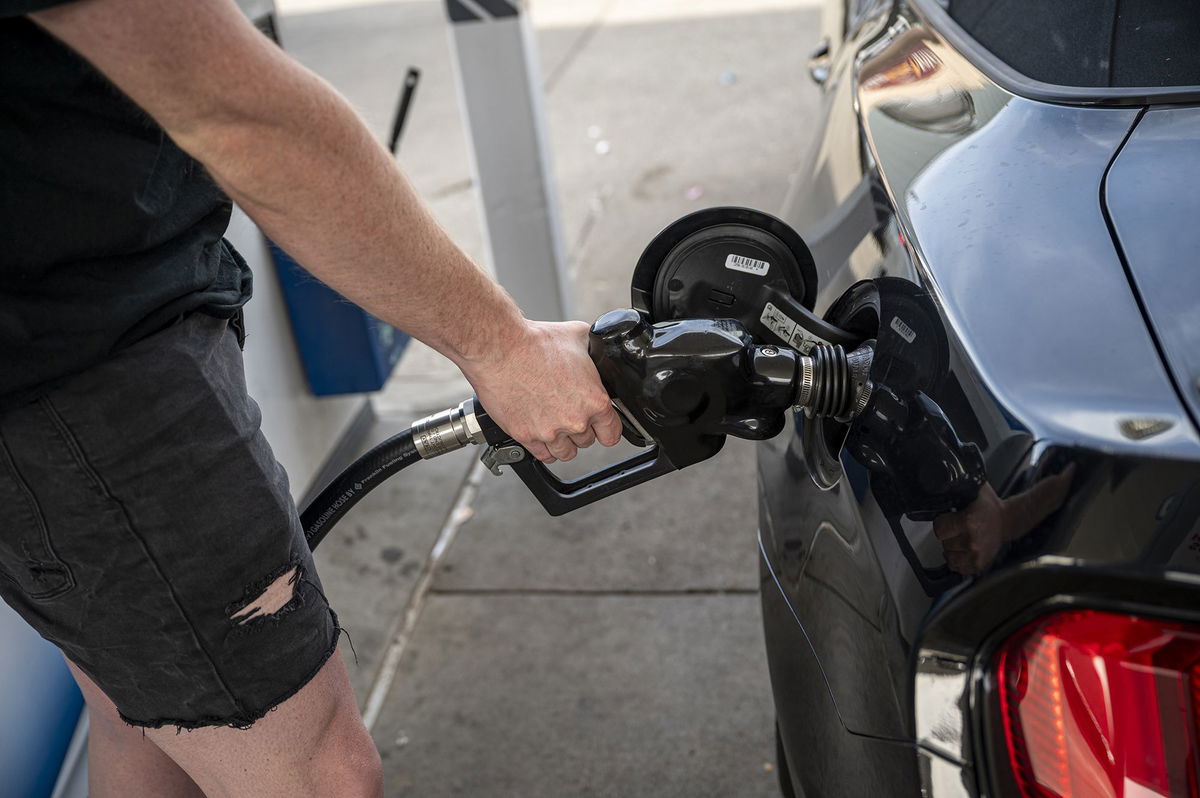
[[462, 512]]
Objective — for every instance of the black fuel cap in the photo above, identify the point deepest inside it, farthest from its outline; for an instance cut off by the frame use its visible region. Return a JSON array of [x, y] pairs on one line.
[[716, 263]]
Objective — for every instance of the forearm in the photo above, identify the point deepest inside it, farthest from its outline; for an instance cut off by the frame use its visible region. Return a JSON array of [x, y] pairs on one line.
[[305, 168]]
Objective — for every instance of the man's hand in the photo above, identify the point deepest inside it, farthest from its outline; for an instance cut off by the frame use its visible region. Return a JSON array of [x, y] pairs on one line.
[[545, 392], [971, 538]]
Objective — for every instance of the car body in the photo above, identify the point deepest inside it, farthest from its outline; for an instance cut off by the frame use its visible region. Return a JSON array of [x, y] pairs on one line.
[[1023, 250]]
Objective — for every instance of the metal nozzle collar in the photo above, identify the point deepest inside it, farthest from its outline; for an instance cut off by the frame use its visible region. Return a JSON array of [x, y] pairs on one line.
[[447, 431], [806, 381]]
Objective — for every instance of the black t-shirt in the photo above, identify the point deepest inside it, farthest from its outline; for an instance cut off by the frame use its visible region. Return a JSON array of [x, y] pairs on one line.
[[108, 231]]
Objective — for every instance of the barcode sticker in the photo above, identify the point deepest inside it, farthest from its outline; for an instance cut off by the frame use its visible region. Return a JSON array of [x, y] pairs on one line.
[[741, 263], [905, 332]]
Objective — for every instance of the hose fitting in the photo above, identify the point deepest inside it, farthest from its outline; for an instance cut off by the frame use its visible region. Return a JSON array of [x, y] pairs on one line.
[[834, 384], [447, 431]]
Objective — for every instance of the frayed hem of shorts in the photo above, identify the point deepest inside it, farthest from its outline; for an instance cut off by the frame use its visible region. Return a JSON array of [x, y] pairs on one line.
[[246, 719]]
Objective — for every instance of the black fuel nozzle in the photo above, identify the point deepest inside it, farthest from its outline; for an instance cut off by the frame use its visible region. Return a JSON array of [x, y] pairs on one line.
[[680, 388], [688, 383]]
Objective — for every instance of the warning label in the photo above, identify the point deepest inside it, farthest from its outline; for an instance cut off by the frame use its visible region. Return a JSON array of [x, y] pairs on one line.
[[788, 330], [777, 322], [803, 341], [740, 263]]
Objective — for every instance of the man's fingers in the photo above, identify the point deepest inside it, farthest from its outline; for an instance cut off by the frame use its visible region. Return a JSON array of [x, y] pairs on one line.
[[539, 450], [955, 561], [961, 563], [948, 526], [562, 448], [1048, 495], [584, 439], [958, 543], [607, 426]]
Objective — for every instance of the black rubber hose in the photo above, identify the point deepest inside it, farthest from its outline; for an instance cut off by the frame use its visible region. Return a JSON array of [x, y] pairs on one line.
[[364, 475]]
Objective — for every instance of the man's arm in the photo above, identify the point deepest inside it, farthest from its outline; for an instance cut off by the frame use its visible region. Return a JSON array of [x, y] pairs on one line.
[[294, 154]]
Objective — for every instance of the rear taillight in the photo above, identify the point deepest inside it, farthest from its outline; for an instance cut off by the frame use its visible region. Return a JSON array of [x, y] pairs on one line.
[[1096, 704]]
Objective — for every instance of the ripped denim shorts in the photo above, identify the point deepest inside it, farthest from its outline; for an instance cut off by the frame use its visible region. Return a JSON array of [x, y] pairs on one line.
[[148, 531]]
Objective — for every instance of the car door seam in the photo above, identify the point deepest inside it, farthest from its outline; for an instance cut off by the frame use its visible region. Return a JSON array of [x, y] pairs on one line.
[[1129, 276]]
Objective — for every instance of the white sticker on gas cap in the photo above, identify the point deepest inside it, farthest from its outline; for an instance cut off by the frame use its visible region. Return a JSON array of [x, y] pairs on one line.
[[904, 331], [741, 263]]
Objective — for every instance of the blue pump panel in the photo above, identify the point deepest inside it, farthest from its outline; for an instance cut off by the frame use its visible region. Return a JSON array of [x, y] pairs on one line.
[[39, 709], [343, 348]]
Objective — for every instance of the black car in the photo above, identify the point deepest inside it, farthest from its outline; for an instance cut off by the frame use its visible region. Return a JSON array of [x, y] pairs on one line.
[[988, 583]]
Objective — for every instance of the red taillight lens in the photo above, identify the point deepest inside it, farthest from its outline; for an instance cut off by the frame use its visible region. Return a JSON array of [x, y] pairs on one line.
[[1098, 705]]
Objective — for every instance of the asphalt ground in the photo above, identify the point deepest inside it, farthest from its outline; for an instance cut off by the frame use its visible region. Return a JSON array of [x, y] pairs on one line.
[[616, 651]]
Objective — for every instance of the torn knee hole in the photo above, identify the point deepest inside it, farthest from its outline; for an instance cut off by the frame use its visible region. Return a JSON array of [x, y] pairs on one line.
[[277, 597]]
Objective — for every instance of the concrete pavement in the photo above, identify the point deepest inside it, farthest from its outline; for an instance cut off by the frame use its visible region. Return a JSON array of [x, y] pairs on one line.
[[616, 651]]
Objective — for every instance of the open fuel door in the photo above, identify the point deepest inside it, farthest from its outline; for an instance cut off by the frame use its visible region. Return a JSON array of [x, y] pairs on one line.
[[735, 263]]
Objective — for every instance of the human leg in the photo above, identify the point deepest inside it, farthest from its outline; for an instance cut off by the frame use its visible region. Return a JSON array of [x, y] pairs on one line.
[[122, 759], [146, 528], [313, 744]]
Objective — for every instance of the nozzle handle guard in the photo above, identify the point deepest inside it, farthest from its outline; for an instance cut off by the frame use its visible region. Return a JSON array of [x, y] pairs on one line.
[[559, 496]]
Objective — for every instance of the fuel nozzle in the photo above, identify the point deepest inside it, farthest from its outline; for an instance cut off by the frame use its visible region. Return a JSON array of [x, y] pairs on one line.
[[688, 383]]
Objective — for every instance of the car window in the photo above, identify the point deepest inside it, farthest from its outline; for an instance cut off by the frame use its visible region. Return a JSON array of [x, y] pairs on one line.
[[1089, 43]]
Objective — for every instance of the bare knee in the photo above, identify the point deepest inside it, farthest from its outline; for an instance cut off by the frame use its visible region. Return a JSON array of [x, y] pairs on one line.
[[313, 744], [348, 761], [342, 757]]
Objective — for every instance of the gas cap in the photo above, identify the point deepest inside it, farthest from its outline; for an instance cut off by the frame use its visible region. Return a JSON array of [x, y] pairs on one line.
[[715, 263], [734, 263]]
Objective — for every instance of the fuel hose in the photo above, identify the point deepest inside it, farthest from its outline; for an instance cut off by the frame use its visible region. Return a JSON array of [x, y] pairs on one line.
[[431, 436], [388, 458]]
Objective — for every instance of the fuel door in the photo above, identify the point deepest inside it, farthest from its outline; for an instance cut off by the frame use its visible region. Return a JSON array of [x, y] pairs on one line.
[[918, 464]]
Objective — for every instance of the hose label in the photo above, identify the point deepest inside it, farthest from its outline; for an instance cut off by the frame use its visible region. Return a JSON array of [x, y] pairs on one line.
[[788, 330], [740, 263]]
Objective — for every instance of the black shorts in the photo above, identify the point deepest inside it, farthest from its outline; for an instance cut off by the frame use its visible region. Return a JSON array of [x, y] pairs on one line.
[[141, 516]]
